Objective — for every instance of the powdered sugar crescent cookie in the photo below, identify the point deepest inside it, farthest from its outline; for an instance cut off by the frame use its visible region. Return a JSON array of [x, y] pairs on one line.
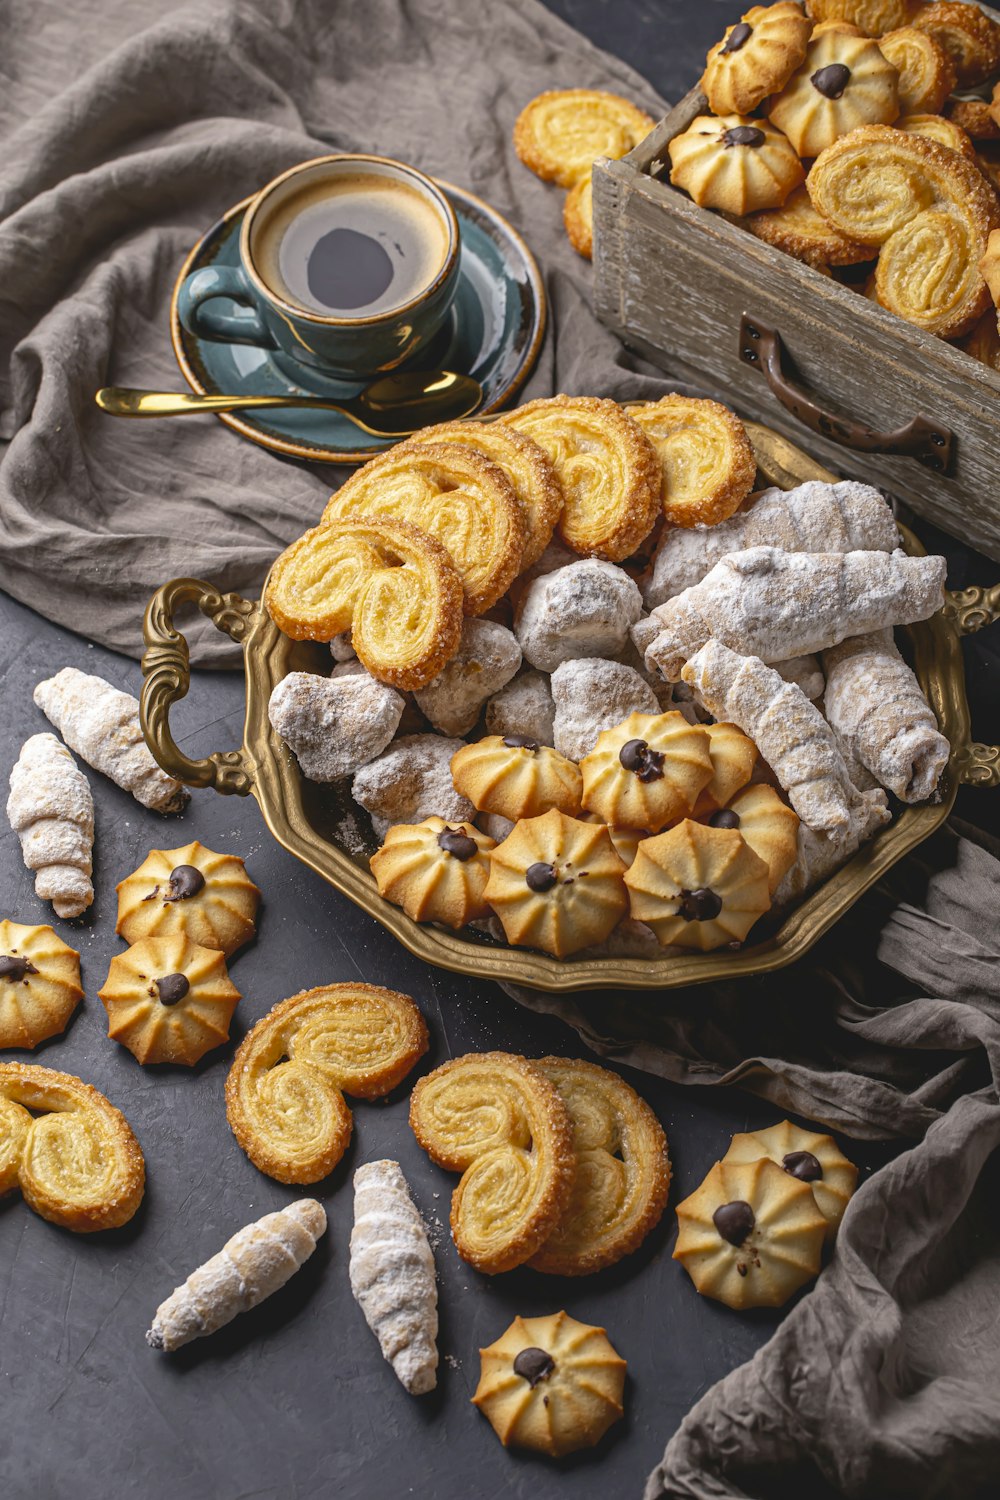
[[808, 1157], [39, 984], [797, 229], [578, 217], [515, 776], [937, 128], [734, 163], [285, 1089], [767, 824], [436, 871], [926, 72], [968, 35], [648, 771], [207, 897], [607, 469], [697, 887], [844, 82], [457, 496], [169, 1000], [872, 17], [392, 585], [756, 57], [707, 462], [561, 134], [333, 725]]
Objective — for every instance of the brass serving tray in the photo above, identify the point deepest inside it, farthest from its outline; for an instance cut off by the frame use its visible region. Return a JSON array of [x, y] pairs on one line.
[[309, 820]]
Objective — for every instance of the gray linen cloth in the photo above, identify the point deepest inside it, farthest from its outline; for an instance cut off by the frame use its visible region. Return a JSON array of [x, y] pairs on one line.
[[127, 130]]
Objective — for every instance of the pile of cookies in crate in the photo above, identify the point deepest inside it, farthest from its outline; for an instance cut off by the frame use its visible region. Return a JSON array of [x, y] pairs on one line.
[[592, 689]]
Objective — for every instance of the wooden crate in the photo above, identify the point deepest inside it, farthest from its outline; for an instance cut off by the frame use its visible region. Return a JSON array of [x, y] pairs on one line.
[[698, 294]]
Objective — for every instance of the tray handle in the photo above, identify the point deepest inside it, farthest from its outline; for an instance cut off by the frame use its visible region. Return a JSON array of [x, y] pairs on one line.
[[929, 443], [970, 610], [166, 672]]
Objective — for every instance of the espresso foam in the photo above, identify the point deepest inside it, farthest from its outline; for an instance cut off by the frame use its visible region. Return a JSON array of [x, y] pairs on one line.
[[351, 247]]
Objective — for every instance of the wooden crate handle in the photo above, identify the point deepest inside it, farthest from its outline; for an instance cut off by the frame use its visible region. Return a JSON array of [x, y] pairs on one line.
[[928, 442]]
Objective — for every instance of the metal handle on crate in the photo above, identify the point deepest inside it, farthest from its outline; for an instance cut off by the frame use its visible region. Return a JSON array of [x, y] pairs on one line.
[[166, 672], [970, 610], [929, 443]]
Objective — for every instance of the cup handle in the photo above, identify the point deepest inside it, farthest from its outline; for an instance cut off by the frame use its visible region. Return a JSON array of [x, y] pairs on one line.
[[205, 322]]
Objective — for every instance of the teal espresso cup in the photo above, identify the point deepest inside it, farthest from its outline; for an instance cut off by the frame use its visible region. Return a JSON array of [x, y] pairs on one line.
[[348, 267]]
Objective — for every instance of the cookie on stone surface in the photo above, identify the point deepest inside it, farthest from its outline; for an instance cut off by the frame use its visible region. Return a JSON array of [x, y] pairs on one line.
[[551, 1384], [756, 57], [562, 132], [767, 824], [734, 163], [436, 871], [207, 897], [707, 462], [926, 72], [648, 771], [39, 984], [810, 1157], [515, 776], [697, 887], [844, 82], [169, 1000]]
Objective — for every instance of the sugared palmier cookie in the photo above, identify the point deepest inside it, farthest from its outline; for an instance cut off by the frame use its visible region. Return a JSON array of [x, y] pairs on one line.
[[797, 229], [207, 897], [871, 17], [169, 1000], [39, 984], [436, 871], [975, 116], [938, 128], [811, 1158], [926, 72], [607, 469], [756, 57], [707, 462], [968, 35], [733, 759], [767, 824], [648, 771], [751, 1235], [734, 163], [928, 272], [843, 83], [697, 887], [578, 217], [561, 134], [517, 777], [556, 883]]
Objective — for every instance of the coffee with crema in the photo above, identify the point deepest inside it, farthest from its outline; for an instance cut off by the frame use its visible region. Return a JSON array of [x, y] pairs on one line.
[[351, 247]]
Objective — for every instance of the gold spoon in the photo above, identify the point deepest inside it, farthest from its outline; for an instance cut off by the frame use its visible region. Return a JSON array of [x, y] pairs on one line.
[[394, 406]]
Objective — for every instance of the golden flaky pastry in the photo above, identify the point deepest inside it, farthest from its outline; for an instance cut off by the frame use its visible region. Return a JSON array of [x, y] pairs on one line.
[[811, 1158], [648, 771], [528, 467], [756, 57], [205, 896], [561, 134], [707, 462], [797, 229], [556, 883], [767, 824], [926, 72], [39, 984], [968, 35], [751, 1235], [697, 886], [607, 469], [844, 82], [285, 1089], [578, 217], [937, 128], [989, 267], [169, 1000], [392, 585], [457, 496], [974, 115], [622, 1170], [517, 777], [928, 273], [734, 756], [436, 871], [551, 1384], [872, 17], [72, 1154], [734, 163], [500, 1122]]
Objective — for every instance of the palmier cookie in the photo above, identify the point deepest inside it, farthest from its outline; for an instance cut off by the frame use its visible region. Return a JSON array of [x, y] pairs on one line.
[[767, 824], [733, 759], [968, 35], [989, 266], [561, 134], [871, 17], [648, 771], [606, 467], [697, 887], [927, 273], [750, 1235], [499, 1121], [843, 83], [734, 163], [457, 496], [515, 776], [707, 462], [436, 871], [975, 116], [285, 1089], [797, 229], [67, 1148], [756, 57], [578, 217], [556, 883], [811, 1158], [622, 1171], [526, 465], [938, 128], [169, 1000], [204, 896], [39, 984], [926, 72], [551, 1384], [392, 585]]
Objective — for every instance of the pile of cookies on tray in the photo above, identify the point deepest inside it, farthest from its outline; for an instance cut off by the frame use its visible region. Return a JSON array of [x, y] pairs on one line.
[[591, 688], [863, 138]]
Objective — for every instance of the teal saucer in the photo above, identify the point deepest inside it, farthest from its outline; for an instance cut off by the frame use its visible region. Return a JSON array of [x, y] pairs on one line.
[[494, 332]]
